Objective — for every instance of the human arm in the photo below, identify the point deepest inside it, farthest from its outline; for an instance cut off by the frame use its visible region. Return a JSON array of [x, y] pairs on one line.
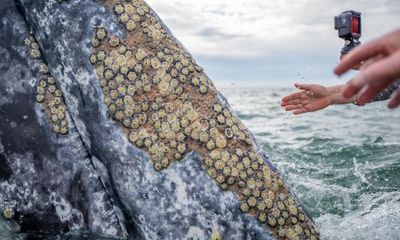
[[313, 98]]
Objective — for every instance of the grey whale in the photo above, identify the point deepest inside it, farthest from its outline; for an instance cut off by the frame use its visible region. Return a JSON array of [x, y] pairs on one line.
[[110, 127]]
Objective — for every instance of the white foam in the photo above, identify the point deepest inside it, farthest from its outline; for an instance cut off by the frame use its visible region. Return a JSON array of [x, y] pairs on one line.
[[379, 218]]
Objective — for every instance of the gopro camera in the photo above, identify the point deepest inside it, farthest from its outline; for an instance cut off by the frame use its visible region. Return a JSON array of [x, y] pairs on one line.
[[348, 24]]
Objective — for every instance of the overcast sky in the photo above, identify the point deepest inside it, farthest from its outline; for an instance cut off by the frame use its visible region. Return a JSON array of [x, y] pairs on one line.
[[270, 43]]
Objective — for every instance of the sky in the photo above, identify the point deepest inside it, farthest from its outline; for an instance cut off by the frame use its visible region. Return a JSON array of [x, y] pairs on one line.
[[270, 43]]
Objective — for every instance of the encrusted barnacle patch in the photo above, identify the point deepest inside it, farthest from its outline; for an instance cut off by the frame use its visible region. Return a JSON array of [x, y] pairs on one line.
[[47, 92], [167, 106]]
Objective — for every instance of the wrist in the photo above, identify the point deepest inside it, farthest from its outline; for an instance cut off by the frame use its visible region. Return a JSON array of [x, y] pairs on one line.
[[335, 96]]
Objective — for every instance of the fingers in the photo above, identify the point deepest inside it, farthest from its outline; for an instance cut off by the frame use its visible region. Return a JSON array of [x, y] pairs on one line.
[[305, 109], [395, 100], [304, 87], [380, 73], [309, 89], [366, 95], [369, 92], [357, 55], [294, 102], [369, 62], [297, 95], [293, 107], [300, 111], [298, 107]]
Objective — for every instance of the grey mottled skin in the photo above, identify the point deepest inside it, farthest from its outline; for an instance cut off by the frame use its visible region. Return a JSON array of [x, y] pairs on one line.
[[48, 181], [181, 202]]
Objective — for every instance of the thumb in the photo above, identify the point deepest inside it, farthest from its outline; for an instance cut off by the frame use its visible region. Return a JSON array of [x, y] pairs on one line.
[[305, 87]]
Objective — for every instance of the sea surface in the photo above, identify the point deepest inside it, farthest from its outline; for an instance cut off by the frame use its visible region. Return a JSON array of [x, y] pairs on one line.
[[343, 163]]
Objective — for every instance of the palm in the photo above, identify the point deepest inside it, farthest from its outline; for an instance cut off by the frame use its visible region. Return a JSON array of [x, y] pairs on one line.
[[311, 98], [317, 103]]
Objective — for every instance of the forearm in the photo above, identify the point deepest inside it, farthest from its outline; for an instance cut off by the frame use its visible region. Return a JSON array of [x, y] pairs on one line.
[[336, 97], [385, 94]]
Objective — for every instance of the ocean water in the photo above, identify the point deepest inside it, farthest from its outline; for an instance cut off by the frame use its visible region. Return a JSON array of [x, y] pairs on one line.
[[343, 163]]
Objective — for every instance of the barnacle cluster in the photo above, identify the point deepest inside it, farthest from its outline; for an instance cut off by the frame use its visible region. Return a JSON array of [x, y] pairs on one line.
[[47, 92], [168, 107], [33, 47]]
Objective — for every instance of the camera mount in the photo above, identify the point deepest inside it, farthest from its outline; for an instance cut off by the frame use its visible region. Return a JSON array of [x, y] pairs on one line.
[[348, 24]]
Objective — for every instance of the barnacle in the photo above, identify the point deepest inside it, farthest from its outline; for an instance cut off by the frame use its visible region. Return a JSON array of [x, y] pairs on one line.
[[272, 221], [285, 214], [44, 69], [123, 18], [228, 133], [140, 55], [293, 210], [221, 142], [204, 137], [93, 59], [129, 8], [252, 201], [64, 130], [95, 42], [203, 89], [281, 232], [141, 11], [101, 33], [35, 53], [27, 41], [262, 217], [35, 45], [219, 165], [136, 18], [229, 122], [8, 213], [216, 236], [155, 63], [225, 156], [244, 207], [114, 41], [302, 217], [210, 145], [39, 98], [118, 9], [281, 221]]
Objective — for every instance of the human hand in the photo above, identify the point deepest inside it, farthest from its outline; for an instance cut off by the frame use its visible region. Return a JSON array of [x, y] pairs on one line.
[[311, 98], [381, 67]]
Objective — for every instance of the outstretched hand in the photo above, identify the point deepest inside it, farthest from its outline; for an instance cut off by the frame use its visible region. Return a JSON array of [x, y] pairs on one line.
[[311, 98], [381, 67]]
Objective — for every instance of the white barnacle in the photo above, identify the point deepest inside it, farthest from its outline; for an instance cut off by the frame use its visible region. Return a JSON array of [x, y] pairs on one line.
[[118, 9], [140, 54], [114, 41], [130, 25], [101, 33]]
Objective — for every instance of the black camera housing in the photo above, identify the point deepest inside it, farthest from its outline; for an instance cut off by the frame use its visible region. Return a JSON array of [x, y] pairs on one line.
[[348, 24]]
